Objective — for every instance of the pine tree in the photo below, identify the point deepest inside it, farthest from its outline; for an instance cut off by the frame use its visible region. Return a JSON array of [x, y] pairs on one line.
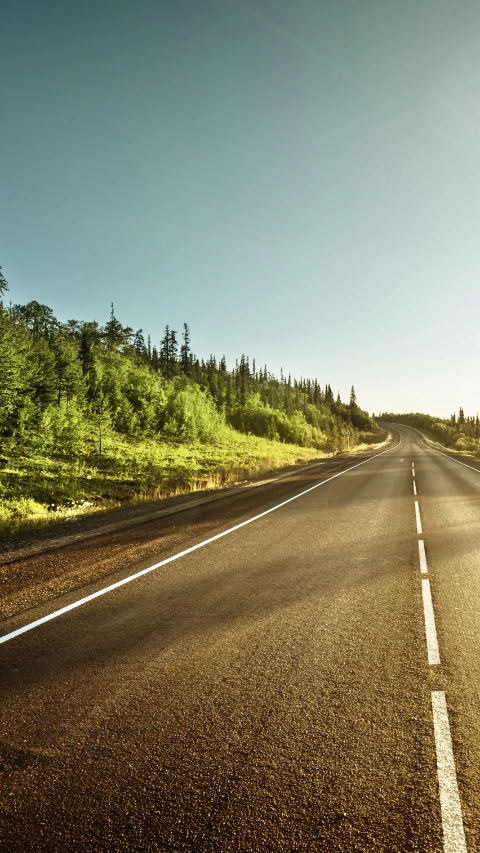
[[89, 338], [185, 353], [168, 353], [3, 284], [68, 369], [173, 351], [139, 345], [15, 373], [353, 401], [116, 336]]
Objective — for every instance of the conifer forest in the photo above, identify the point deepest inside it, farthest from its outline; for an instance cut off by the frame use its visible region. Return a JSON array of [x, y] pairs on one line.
[[92, 414]]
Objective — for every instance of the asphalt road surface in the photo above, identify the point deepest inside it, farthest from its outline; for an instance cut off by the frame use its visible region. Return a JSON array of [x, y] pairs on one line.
[[308, 681]]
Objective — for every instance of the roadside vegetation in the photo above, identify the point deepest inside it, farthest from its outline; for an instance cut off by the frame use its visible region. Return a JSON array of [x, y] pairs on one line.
[[93, 416], [458, 432]]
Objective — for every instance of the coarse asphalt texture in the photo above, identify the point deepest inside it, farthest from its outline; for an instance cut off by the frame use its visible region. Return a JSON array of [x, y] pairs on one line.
[[270, 691]]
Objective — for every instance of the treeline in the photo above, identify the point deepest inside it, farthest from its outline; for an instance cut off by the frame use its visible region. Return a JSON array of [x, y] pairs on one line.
[[458, 432], [65, 387]]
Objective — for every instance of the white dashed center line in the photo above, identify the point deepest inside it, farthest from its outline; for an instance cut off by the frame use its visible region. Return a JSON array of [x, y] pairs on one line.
[[431, 631], [423, 559], [417, 516], [453, 834], [451, 809]]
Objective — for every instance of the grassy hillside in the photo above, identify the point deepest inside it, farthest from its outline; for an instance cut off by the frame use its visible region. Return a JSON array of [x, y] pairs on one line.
[[91, 416]]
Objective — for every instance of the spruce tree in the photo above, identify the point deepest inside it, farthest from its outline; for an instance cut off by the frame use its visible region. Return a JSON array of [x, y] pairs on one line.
[[116, 336], [139, 345], [353, 401], [168, 353], [3, 284], [185, 350]]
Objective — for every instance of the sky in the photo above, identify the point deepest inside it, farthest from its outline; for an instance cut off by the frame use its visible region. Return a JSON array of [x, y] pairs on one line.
[[298, 180]]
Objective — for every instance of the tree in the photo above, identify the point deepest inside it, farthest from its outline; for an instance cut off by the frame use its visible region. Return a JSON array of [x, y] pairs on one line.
[[38, 318], [68, 368], [328, 395], [44, 384], [139, 345], [15, 369], [168, 353], [116, 336], [353, 401], [244, 379], [90, 338], [3, 284], [185, 353]]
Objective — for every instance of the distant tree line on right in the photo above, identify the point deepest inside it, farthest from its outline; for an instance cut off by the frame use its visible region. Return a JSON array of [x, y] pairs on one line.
[[458, 432]]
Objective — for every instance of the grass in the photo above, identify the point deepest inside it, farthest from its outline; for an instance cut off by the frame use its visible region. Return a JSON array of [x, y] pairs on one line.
[[38, 490], [35, 492]]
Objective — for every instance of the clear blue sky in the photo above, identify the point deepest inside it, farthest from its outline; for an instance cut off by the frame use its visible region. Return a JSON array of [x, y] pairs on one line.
[[298, 180]]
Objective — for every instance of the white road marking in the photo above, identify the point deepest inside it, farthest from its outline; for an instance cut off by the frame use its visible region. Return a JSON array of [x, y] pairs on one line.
[[431, 631], [413, 472], [452, 822], [417, 516], [111, 587], [413, 464], [423, 558], [472, 467], [414, 488]]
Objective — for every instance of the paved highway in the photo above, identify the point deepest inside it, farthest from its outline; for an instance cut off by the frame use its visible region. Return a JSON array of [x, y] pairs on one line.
[[308, 681]]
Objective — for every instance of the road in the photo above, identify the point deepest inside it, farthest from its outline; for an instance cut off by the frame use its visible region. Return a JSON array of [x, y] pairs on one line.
[[284, 687]]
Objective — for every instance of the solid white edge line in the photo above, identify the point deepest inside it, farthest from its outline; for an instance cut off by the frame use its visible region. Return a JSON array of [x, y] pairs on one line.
[[452, 822], [417, 516], [419, 436], [430, 630], [111, 587], [414, 488], [423, 558]]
